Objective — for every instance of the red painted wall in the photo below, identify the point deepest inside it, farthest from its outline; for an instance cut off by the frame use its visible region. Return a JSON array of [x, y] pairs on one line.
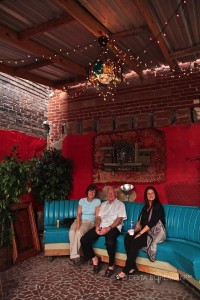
[[182, 147], [28, 146], [182, 185], [79, 149]]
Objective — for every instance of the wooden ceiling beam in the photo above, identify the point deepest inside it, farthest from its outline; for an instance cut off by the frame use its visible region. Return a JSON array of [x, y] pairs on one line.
[[37, 49], [70, 81], [35, 65], [145, 11], [97, 29], [50, 25], [28, 76], [124, 34], [185, 52], [83, 17]]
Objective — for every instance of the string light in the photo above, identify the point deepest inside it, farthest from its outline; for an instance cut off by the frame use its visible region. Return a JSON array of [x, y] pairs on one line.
[[89, 45], [85, 48], [163, 29]]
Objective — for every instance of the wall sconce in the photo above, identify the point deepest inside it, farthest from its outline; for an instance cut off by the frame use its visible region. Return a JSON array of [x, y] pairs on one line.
[[127, 189], [46, 126]]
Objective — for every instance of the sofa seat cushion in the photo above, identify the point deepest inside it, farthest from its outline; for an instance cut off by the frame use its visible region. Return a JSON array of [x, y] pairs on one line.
[[181, 254], [100, 243], [187, 257], [52, 235], [164, 248]]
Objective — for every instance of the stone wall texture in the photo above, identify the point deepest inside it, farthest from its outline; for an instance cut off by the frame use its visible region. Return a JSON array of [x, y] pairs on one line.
[[23, 106]]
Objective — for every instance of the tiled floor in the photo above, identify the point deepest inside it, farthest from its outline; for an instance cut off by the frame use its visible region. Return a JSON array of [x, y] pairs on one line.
[[38, 278]]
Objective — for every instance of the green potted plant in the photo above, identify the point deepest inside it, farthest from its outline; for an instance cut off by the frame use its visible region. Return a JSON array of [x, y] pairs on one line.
[[14, 176], [51, 178]]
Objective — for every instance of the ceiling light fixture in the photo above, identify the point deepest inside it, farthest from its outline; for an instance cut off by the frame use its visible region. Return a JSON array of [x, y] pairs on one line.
[[105, 74]]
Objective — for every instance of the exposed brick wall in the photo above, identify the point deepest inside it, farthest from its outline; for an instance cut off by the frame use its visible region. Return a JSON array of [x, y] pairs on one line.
[[23, 105], [161, 101]]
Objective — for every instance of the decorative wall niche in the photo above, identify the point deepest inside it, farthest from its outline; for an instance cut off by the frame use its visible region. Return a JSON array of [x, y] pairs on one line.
[[134, 156]]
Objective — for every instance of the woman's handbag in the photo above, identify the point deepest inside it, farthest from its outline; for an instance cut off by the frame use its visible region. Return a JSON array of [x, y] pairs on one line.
[[67, 222], [156, 234]]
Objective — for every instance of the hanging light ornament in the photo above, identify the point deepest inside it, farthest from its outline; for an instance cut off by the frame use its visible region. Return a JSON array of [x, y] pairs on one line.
[[105, 73]]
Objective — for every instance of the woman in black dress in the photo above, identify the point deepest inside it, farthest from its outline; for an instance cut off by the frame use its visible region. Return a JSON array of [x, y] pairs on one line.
[[148, 231]]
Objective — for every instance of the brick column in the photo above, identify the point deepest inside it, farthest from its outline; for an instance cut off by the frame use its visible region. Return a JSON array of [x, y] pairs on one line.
[[57, 115]]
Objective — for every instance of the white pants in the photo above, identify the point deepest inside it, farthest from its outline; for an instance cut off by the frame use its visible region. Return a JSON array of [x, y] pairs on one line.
[[75, 236]]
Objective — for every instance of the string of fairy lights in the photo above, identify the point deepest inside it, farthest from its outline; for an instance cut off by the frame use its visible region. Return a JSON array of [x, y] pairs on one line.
[[185, 69]]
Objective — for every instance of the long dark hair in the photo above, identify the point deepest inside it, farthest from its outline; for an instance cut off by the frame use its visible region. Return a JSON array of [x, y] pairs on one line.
[[156, 200], [91, 187]]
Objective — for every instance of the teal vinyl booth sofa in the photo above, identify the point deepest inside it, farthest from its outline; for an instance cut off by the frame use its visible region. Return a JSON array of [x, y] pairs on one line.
[[177, 257]]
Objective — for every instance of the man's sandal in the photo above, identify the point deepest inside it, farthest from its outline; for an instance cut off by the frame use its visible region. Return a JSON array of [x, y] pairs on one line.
[[109, 273]]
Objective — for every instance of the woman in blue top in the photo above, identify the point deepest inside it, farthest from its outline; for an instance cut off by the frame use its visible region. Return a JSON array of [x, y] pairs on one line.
[[87, 211]]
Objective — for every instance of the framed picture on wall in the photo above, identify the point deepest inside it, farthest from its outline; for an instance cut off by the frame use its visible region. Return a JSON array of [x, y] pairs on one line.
[[26, 241]]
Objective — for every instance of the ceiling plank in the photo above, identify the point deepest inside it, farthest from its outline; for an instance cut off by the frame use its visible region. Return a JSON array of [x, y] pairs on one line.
[[185, 52], [50, 25], [11, 37], [97, 29], [145, 11], [120, 35], [28, 76]]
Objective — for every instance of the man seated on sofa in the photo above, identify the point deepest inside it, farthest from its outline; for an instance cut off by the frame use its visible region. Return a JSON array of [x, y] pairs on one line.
[[109, 224]]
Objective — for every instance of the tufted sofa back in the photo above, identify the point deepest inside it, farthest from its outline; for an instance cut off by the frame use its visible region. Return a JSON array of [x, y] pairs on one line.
[[59, 210], [133, 210], [182, 222]]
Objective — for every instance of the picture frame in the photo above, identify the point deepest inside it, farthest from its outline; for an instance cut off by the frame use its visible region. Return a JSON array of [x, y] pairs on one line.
[[25, 238]]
